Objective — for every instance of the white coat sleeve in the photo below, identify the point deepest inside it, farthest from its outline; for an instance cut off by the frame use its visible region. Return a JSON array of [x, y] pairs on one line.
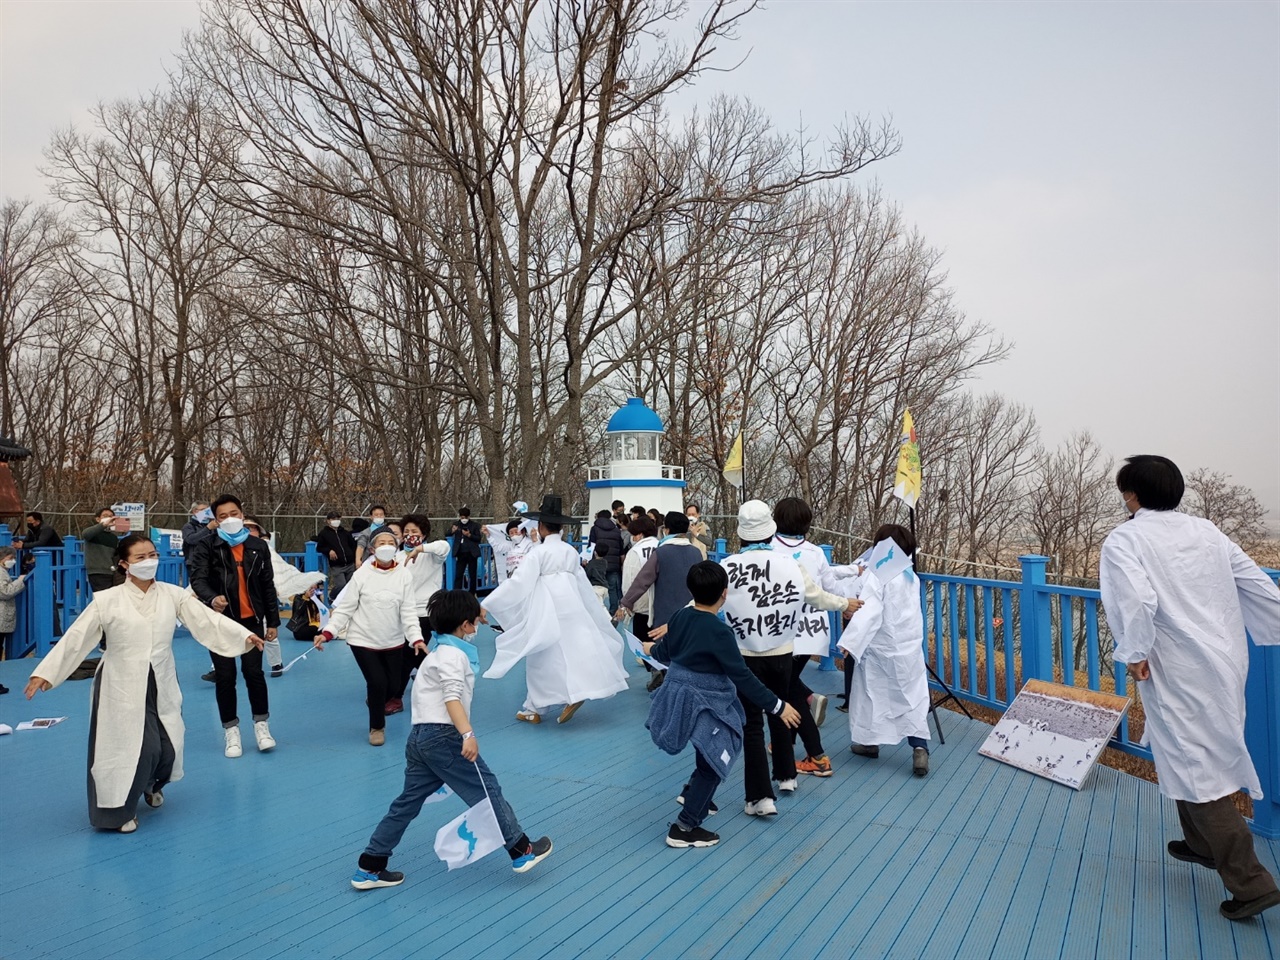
[[509, 601], [409, 611], [816, 597], [1129, 600], [1259, 599], [347, 604], [866, 621], [68, 653], [219, 633]]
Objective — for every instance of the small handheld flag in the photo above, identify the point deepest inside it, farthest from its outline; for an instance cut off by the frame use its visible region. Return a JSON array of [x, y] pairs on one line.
[[906, 484]]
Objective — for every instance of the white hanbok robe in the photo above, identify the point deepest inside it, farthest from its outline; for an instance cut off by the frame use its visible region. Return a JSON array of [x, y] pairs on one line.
[[289, 580], [1179, 594], [889, 698], [813, 638], [139, 629], [552, 619]]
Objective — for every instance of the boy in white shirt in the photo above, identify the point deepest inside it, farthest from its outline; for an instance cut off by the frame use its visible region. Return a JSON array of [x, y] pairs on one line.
[[442, 748]]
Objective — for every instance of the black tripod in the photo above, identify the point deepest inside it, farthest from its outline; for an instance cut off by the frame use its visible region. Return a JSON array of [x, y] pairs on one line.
[[949, 695]]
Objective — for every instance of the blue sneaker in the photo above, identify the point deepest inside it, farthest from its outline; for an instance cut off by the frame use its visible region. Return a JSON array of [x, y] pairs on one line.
[[368, 879], [537, 852]]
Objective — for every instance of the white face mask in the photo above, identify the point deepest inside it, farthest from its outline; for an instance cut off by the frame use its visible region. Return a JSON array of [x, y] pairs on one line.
[[144, 569], [692, 518], [10, 563], [231, 525], [385, 552], [335, 524]]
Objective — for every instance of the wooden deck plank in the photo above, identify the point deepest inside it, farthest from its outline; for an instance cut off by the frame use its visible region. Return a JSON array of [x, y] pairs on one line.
[[250, 858]]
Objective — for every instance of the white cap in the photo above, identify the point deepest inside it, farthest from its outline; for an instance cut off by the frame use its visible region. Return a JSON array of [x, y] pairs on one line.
[[755, 521]]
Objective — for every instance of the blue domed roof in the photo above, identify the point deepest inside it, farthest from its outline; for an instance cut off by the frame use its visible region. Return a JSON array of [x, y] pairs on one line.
[[633, 417]]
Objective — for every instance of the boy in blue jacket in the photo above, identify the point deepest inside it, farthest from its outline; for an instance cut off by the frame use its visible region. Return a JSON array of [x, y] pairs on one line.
[[698, 703]]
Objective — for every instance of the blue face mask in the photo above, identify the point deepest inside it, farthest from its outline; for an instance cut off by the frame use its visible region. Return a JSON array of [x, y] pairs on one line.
[[375, 524]]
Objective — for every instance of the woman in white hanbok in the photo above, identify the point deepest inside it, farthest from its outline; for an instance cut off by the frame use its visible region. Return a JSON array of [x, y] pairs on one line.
[[135, 720], [553, 621], [889, 698]]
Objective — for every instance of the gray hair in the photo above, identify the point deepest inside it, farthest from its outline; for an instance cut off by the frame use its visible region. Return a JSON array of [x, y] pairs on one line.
[[7, 552]]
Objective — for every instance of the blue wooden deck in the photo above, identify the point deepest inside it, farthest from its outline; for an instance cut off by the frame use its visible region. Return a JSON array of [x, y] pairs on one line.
[[251, 857]]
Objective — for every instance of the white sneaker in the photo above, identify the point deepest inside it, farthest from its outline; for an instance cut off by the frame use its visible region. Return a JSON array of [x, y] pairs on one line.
[[262, 733], [787, 786], [761, 808], [818, 707], [233, 742]]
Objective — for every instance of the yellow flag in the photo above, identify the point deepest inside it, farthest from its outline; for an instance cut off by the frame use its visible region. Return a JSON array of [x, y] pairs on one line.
[[906, 485], [733, 465]]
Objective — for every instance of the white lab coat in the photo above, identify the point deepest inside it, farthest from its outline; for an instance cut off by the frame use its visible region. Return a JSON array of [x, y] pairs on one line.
[[889, 699], [1179, 594], [813, 636], [139, 629], [552, 619]]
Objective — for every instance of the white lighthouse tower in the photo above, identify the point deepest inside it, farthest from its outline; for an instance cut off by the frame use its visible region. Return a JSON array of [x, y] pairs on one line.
[[635, 473]]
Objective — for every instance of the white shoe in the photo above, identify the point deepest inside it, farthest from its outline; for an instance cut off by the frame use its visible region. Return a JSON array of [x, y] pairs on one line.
[[131, 826], [761, 808], [818, 707], [787, 786], [233, 742], [262, 733]]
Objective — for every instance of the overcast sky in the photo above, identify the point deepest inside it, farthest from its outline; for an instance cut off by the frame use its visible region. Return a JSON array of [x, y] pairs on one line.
[[1103, 178]]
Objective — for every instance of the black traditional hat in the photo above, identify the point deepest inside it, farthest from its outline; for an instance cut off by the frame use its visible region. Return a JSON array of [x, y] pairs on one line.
[[550, 511], [11, 450]]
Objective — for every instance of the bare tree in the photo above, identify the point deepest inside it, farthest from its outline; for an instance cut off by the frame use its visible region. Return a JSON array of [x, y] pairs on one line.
[[1231, 507]]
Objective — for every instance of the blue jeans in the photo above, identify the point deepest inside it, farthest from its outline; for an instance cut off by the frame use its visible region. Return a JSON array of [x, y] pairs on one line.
[[614, 579], [920, 742], [433, 757], [697, 796]]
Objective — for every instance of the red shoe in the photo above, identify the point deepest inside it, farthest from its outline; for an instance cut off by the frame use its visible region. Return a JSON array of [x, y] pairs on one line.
[[815, 766], [395, 705]]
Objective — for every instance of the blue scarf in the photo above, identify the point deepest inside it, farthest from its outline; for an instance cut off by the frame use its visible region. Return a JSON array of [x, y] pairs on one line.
[[470, 649], [235, 539]]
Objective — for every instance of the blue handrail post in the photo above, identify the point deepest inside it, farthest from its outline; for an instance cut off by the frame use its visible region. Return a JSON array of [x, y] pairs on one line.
[[450, 566], [829, 661], [310, 557], [6, 535], [40, 608], [1262, 735], [1037, 623]]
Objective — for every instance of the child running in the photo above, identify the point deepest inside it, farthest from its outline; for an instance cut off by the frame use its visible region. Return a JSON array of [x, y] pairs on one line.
[[442, 747], [699, 702]]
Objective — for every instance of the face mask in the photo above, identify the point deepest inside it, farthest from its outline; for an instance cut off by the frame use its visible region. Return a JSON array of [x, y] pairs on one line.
[[144, 569], [412, 541], [231, 525], [385, 552], [335, 524], [9, 564], [375, 524]]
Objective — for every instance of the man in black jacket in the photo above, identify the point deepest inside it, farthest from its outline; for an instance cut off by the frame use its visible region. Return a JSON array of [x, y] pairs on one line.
[[231, 572], [466, 550], [39, 533], [607, 537], [337, 544]]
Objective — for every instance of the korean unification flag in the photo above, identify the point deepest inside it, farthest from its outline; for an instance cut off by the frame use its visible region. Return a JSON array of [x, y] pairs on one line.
[[322, 609], [887, 560], [468, 838]]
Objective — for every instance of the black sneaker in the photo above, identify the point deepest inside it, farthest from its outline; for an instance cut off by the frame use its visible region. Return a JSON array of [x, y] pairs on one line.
[[679, 837], [712, 809], [1181, 850], [278, 670], [369, 879], [1244, 909], [537, 852], [211, 676]]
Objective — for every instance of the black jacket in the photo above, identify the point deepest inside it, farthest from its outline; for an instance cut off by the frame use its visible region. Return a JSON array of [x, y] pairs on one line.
[[340, 541], [193, 531], [212, 571], [469, 545], [607, 537]]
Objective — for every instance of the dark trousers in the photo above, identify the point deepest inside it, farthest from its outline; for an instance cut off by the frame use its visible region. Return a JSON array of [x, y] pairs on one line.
[[101, 581], [383, 679], [798, 696], [464, 569], [1217, 830], [338, 577], [698, 794], [775, 673], [614, 579], [255, 684]]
